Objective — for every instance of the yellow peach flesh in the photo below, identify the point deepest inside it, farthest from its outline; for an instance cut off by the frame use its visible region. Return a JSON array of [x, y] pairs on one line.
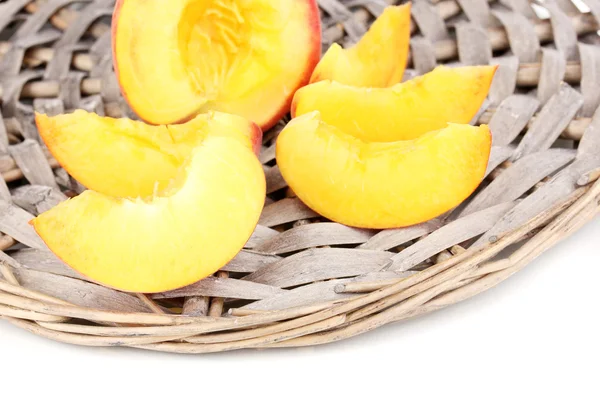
[[404, 111], [377, 60], [125, 158], [169, 241], [381, 185], [245, 57]]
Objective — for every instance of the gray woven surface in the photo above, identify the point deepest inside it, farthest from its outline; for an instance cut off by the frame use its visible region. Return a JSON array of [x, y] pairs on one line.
[[55, 57]]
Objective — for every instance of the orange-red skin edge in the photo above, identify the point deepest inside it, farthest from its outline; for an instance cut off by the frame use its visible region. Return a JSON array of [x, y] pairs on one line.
[[313, 60], [294, 106], [256, 138]]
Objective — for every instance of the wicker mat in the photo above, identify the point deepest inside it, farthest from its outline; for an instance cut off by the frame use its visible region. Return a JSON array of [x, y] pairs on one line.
[[303, 280]]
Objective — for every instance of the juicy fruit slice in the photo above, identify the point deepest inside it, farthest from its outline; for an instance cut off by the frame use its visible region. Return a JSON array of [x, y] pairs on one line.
[[166, 242], [377, 60], [381, 185], [245, 57], [125, 158], [404, 111]]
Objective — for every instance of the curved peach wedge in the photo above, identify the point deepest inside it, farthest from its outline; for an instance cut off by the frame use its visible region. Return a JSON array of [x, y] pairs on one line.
[[381, 185], [184, 234], [401, 112], [377, 60], [176, 60], [125, 158]]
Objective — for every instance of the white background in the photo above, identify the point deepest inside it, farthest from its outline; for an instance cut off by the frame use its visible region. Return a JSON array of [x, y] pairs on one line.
[[536, 336]]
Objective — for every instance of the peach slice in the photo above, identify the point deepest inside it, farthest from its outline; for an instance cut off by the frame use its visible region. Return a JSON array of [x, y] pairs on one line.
[[244, 57], [404, 111], [125, 158], [381, 185], [184, 234], [377, 60]]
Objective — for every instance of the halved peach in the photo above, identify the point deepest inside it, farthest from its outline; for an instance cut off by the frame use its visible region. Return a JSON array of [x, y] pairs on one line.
[[125, 158], [184, 234], [381, 185], [404, 111], [377, 60], [179, 58]]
